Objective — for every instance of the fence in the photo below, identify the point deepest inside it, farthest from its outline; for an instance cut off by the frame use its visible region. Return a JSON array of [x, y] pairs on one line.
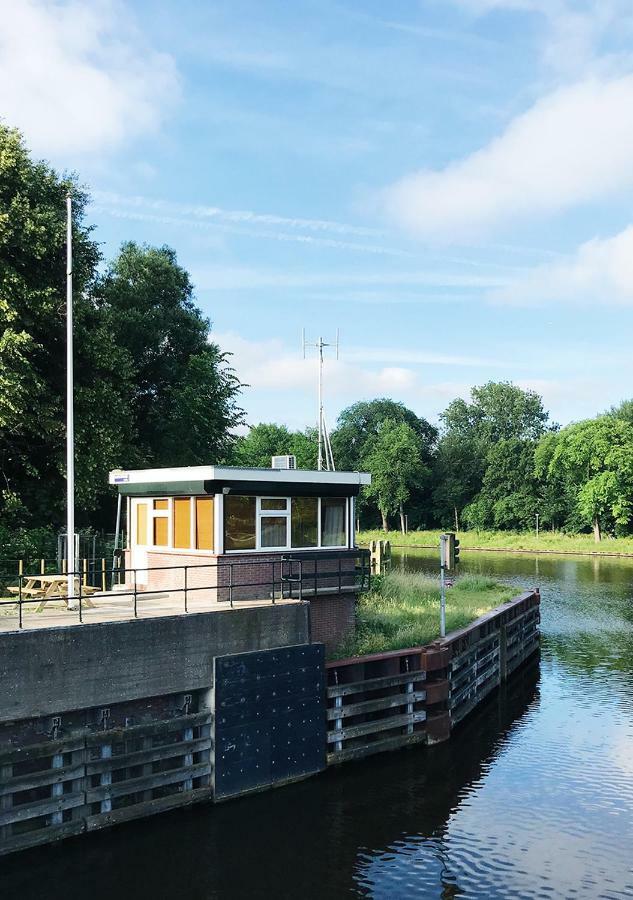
[[183, 588]]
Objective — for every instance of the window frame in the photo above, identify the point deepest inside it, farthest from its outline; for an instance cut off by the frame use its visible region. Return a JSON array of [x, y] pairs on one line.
[[259, 514]]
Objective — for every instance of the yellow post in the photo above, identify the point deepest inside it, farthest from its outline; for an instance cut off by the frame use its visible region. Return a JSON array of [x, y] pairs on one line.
[[20, 567], [63, 566], [42, 566], [103, 574], [85, 568]]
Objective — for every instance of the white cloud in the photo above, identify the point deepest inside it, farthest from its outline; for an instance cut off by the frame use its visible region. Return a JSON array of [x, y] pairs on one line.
[[78, 77], [238, 278], [600, 272], [572, 146]]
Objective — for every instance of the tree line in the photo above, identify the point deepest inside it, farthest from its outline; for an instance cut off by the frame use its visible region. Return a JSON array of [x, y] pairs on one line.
[[153, 389], [496, 461]]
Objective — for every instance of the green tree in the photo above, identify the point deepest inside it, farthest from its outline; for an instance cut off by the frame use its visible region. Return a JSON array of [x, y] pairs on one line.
[[183, 393], [394, 458], [32, 342], [356, 429], [497, 411], [484, 442], [267, 439], [596, 458], [508, 496]]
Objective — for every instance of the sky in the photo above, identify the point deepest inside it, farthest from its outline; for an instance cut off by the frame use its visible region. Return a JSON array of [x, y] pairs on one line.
[[448, 183]]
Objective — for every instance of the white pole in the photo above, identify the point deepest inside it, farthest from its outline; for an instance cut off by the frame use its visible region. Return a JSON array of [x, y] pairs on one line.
[[70, 425], [443, 541], [320, 458]]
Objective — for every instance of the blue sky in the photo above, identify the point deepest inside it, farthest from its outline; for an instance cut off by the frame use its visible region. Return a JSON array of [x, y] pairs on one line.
[[448, 182]]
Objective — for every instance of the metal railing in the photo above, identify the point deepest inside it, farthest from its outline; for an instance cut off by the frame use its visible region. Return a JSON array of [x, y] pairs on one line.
[[290, 576]]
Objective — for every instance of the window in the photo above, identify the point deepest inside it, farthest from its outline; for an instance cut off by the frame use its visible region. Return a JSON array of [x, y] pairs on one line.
[[182, 523], [305, 521], [160, 528], [141, 524], [333, 525], [273, 522], [239, 522], [204, 523]]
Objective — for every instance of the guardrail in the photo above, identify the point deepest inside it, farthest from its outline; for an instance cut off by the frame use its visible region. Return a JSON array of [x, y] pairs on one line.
[[225, 581]]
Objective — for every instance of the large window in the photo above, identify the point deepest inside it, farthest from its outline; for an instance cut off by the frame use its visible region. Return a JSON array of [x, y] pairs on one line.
[[239, 523], [284, 523], [333, 522], [305, 521], [161, 523]]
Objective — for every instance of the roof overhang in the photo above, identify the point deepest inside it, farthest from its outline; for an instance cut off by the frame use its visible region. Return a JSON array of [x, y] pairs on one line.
[[198, 480]]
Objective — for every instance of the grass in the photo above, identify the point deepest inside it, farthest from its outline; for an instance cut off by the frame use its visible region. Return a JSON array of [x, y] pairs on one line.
[[403, 610], [552, 541]]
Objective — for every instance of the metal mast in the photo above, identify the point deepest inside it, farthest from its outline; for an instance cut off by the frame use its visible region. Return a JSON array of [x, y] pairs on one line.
[[324, 446], [70, 424]]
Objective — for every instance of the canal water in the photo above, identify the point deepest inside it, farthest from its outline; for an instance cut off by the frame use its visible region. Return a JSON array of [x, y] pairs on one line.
[[532, 798]]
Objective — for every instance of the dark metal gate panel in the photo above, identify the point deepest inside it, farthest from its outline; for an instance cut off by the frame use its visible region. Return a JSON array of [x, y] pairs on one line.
[[270, 719]]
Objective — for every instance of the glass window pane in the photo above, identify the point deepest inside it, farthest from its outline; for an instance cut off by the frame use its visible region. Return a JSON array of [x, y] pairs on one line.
[[141, 524], [239, 523], [333, 521], [182, 522], [160, 531], [305, 521], [161, 504], [274, 531], [274, 503], [204, 523]]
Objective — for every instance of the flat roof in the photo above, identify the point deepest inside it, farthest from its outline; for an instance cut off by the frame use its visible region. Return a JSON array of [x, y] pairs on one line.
[[219, 479]]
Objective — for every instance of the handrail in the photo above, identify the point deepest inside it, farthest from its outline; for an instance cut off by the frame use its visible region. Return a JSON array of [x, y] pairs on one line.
[[334, 579]]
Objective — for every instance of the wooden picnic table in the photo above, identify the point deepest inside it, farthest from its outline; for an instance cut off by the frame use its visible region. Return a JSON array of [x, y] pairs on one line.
[[52, 587]]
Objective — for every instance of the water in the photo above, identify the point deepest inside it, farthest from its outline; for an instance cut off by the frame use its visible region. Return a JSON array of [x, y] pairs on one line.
[[532, 798]]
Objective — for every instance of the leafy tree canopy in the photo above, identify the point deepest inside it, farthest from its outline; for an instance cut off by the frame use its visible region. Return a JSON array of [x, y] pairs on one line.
[[268, 439], [394, 458], [596, 458], [497, 411]]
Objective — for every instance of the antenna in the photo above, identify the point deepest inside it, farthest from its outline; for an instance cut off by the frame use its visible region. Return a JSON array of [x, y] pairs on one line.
[[325, 447]]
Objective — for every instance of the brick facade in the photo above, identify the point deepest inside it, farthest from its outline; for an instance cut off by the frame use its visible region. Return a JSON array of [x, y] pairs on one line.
[[258, 576]]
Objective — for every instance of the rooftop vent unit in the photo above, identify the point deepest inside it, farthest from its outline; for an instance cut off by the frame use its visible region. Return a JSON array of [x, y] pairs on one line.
[[284, 462]]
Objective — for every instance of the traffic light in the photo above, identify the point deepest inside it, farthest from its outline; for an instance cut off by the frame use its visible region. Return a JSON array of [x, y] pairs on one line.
[[452, 551]]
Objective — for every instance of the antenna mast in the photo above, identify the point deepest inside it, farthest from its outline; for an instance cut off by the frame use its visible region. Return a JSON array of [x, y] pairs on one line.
[[325, 447]]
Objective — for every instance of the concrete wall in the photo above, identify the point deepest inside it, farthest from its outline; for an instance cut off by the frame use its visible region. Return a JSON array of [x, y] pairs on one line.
[[51, 670]]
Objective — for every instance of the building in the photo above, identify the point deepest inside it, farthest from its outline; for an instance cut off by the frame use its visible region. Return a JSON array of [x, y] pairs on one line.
[[224, 534]]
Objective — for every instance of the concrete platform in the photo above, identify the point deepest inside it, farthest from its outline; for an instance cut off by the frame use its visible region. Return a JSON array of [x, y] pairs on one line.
[[115, 606]]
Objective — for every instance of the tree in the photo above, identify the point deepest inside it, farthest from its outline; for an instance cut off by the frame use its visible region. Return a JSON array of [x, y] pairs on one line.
[[596, 458], [183, 399], [356, 429], [497, 411], [150, 388], [32, 338], [394, 458], [485, 444], [508, 496], [266, 440]]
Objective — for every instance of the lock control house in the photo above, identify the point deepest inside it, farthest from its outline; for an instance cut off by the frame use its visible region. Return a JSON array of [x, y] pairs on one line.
[[225, 534]]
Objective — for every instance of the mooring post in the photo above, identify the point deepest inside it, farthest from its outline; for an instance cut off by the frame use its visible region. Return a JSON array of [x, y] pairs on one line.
[[443, 563]]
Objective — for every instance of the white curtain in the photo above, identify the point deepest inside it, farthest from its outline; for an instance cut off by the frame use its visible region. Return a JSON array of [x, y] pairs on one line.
[[333, 523]]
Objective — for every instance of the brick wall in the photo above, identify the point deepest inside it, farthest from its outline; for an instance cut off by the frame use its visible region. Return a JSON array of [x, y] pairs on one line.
[[332, 619]]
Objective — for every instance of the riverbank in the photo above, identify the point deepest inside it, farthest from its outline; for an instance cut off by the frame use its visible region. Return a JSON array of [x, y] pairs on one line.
[[510, 542], [403, 609]]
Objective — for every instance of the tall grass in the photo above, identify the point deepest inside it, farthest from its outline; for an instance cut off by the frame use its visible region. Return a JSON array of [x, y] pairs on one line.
[[403, 610]]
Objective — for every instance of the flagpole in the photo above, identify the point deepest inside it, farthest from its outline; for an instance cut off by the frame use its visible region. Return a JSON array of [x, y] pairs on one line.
[[70, 423]]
